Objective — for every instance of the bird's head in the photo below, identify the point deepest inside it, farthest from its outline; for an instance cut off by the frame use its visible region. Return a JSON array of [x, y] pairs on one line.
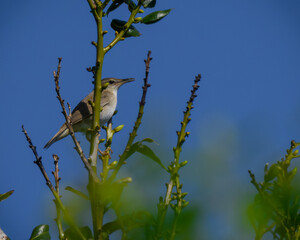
[[114, 83]]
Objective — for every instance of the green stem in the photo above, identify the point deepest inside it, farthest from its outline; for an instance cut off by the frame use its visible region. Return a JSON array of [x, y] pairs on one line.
[[93, 187], [178, 208], [173, 169], [67, 216], [120, 35], [97, 94], [138, 121]]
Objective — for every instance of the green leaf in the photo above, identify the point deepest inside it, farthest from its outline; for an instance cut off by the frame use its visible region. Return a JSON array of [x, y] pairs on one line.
[[6, 195], [118, 25], [143, 149], [155, 16], [71, 234], [114, 6], [271, 173], [131, 5], [134, 147], [132, 150], [40, 232], [149, 140], [149, 3], [77, 192]]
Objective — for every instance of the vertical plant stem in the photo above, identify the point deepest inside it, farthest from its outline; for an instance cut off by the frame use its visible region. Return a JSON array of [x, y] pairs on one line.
[[97, 93], [138, 121], [93, 187], [58, 216], [173, 170]]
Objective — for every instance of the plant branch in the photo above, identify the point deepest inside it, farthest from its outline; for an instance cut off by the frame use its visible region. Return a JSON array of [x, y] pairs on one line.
[[95, 131], [138, 121], [120, 35], [78, 148], [57, 179], [39, 163], [97, 206], [173, 170]]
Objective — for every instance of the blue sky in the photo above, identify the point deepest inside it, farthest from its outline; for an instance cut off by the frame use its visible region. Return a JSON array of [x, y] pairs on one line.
[[246, 113]]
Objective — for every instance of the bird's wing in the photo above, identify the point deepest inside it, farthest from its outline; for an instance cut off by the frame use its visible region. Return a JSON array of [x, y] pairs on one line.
[[84, 109]]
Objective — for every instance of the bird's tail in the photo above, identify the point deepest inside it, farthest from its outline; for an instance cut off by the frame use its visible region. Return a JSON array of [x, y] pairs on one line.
[[63, 132]]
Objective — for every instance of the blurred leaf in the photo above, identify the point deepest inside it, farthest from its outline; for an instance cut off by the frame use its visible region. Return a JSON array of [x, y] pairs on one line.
[[143, 149], [118, 25], [111, 227], [114, 6], [112, 192], [137, 219], [271, 173], [5, 195], [155, 16], [40, 232], [70, 233], [149, 153], [77, 192], [149, 3]]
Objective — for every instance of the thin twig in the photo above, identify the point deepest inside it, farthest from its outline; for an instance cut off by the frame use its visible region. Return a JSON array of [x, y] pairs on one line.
[[69, 123], [57, 179], [138, 121], [39, 163]]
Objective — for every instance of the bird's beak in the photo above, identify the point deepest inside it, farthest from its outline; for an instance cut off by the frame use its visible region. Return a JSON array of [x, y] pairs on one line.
[[126, 80]]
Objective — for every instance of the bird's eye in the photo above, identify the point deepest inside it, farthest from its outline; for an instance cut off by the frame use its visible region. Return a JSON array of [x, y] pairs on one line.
[[111, 81]]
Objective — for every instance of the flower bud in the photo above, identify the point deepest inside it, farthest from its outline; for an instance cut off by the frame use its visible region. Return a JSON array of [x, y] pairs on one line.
[[118, 128]]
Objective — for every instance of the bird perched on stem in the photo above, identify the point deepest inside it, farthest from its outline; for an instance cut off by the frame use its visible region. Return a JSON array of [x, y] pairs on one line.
[[82, 115]]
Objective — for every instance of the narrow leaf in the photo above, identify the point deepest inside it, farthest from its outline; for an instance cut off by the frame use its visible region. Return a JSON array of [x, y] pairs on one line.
[[6, 195], [40, 232], [150, 140], [149, 153], [155, 16], [114, 6], [118, 25], [77, 192], [149, 3]]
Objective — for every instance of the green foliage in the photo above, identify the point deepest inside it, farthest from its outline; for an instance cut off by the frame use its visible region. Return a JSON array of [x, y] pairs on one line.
[[71, 234], [145, 150], [149, 3], [40, 232], [6, 195], [130, 31], [155, 16], [118, 25], [276, 205]]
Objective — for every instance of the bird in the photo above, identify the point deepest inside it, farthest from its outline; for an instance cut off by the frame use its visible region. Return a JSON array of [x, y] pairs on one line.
[[82, 115]]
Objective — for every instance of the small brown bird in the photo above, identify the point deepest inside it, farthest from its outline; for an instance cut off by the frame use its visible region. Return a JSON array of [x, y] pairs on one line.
[[82, 115]]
